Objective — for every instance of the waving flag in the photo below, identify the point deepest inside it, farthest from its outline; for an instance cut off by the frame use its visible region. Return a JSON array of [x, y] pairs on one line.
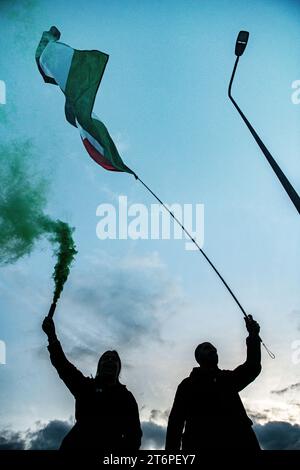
[[78, 74]]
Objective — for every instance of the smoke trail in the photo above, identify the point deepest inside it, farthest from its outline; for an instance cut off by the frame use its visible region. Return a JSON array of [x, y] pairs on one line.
[[22, 217], [61, 234]]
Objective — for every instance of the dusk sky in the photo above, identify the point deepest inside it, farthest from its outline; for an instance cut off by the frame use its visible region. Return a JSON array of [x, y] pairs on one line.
[[163, 98]]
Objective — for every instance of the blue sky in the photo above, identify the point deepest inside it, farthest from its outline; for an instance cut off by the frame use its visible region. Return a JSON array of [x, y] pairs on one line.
[[164, 100]]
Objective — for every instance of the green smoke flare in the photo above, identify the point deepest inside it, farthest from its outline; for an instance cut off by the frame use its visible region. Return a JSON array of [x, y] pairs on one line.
[[22, 217], [62, 236]]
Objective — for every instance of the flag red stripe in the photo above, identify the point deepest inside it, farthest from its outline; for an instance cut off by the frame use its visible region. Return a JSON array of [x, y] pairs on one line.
[[97, 156]]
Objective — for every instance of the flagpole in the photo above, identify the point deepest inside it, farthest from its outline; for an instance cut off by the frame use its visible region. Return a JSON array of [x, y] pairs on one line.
[[294, 197], [203, 253]]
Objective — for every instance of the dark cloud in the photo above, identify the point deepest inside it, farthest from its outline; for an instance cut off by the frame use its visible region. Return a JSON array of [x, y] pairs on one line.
[[10, 440], [48, 437], [274, 435], [153, 435], [120, 303], [154, 430], [84, 352], [45, 437], [286, 389], [159, 415], [278, 435], [258, 416]]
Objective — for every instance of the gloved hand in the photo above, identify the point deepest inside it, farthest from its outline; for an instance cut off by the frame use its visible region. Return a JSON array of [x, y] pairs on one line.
[[252, 326], [49, 328]]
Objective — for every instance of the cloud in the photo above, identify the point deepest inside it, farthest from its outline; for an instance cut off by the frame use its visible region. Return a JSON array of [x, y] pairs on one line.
[[119, 303], [153, 435], [258, 416], [154, 429], [274, 435], [48, 436], [10, 440], [278, 435], [84, 352], [45, 437], [157, 415], [287, 412], [121, 141], [295, 386]]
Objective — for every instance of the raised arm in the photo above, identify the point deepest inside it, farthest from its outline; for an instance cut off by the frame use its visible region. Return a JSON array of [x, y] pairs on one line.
[[72, 377], [244, 374], [176, 421]]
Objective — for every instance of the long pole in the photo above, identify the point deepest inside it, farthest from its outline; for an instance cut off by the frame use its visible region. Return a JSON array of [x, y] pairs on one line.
[[293, 195], [204, 254]]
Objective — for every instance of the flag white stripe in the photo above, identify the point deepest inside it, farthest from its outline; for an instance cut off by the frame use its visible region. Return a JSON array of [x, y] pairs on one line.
[[85, 135], [56, 62]]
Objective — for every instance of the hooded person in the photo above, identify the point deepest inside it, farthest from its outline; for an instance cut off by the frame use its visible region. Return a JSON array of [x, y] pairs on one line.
[[106, 413], [207, 412]]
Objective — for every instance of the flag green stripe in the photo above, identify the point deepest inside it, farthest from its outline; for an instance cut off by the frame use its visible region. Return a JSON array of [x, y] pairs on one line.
[[83, 81]]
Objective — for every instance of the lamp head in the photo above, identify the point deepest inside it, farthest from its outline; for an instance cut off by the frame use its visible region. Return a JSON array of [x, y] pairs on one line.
[[241, 42]]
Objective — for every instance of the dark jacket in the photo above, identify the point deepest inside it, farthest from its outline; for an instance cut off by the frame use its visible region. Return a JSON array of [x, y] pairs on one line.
[[208, 413], [107, 417]]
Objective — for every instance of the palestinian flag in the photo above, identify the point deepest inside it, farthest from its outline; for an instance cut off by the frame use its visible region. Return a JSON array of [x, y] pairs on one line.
[[78, 74]]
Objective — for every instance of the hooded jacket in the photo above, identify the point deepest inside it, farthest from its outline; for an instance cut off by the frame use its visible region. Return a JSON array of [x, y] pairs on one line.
[[107, 417], [207, 411]]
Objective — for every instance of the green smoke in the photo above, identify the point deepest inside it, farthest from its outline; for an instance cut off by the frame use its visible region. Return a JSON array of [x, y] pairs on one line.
[[61, 234], [22, 217]]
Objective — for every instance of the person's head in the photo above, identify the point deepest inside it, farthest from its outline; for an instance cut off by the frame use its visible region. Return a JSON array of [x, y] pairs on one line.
[[206, 355], [109, 366]]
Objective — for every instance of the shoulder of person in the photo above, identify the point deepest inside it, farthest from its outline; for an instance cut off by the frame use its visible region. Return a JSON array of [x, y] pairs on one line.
[[126, 394], [185, 383], [121, 388]]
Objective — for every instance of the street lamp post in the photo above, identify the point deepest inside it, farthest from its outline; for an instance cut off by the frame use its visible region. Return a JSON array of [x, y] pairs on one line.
[[240, 46]]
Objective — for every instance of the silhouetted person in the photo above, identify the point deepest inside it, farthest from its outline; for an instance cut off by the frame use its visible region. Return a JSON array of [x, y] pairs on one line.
[[107, 417], [207, 412]]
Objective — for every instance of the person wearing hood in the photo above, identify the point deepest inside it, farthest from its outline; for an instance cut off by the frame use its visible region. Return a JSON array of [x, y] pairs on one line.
[[207, 412], [106, 413]]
